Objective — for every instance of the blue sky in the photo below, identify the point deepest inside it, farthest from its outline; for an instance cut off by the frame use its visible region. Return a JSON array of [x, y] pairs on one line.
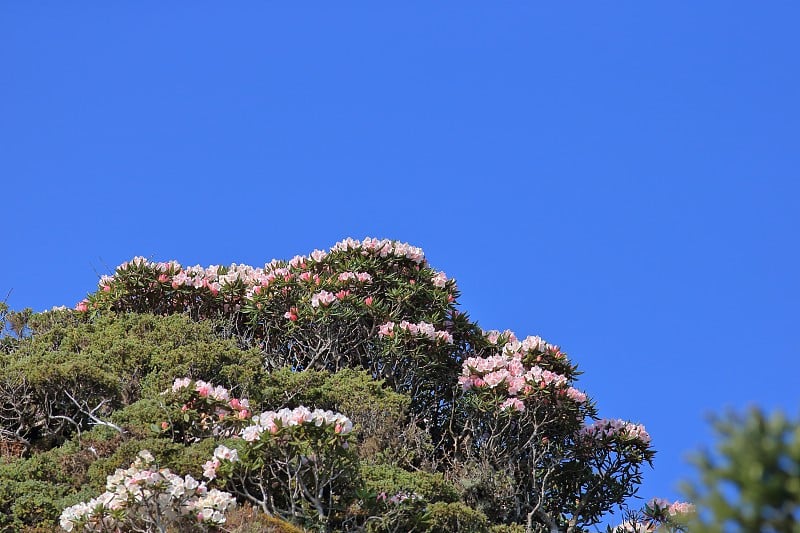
[[619, 178]]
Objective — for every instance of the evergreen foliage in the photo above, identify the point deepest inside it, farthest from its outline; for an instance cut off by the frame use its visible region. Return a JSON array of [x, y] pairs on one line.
[[751, 482]]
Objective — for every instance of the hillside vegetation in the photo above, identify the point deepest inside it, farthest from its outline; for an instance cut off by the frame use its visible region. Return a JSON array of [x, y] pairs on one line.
[[340, 391]]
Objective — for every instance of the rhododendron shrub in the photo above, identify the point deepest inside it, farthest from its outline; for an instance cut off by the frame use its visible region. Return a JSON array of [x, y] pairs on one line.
[[198, 409], [373, 304], [524, 433], [294, 463], [145, 497]]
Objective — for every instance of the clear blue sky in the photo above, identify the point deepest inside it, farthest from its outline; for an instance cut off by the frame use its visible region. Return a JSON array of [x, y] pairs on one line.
[[619, 178]]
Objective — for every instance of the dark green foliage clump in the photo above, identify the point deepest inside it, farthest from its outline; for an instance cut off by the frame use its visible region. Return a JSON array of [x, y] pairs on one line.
[[391, 480], [66, 369], [442, 517]]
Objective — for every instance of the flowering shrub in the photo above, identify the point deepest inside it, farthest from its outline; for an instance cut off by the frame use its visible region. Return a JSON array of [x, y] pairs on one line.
[[141, 284], [294, 463], [320, 311], [146, 498], [523, 422], [515, 373], [421, 329], [205, 411]]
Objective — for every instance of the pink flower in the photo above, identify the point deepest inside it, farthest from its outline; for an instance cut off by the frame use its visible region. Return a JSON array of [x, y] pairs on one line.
[[203, 389], [495, 378], [368, 301], [513, 403], [82, 306], [386, 330], [575, 395], [323, 298], [680, 508]]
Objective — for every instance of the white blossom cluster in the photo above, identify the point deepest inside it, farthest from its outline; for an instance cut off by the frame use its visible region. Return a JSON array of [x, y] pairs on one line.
[[272, 421], [421, 329], [608, 428], [142, 491]]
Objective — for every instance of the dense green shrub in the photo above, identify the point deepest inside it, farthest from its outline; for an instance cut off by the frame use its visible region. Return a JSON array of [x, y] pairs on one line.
[[31, 502], [441, 517], [54, 382], [391, 480]]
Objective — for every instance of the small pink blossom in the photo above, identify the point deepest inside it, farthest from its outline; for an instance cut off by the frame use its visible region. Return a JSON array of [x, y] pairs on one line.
[[203, 389], [322, 298], [575, 395], [513, 403], [386, 330]]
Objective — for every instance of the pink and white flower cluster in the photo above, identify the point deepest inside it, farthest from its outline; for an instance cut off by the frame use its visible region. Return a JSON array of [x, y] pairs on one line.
[[420, 329], [142, 492], [608, 428], [272, 422], [381, 248], [213, 410], [361, 277], [506, 373], [240, 406], [323, 298], [250, 281], [204, 389], [671, 508], [439, 280], [221, 453]]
